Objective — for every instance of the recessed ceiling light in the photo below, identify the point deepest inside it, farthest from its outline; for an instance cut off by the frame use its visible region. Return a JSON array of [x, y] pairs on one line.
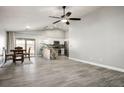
[[28, 27]]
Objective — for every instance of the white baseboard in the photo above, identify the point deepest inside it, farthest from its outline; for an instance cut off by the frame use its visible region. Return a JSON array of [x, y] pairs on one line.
[[100, 65]]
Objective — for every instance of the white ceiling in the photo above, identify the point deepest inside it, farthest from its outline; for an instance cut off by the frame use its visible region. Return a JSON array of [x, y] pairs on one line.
[[16, 18]]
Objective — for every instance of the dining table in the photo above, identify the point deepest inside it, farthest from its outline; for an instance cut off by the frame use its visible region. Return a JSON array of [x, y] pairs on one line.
[[14, 52]]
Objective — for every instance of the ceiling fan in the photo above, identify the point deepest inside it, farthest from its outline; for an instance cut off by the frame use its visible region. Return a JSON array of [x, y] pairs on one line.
[[65, 17]]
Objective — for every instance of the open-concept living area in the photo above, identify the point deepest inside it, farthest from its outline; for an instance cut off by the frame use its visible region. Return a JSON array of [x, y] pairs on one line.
[[61, 46]]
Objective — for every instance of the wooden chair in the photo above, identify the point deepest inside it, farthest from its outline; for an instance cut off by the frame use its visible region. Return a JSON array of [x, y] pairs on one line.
[[7, 56], [18, 56], [27, 54]]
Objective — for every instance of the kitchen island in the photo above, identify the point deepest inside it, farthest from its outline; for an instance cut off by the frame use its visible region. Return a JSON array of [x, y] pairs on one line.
[[50, 53]]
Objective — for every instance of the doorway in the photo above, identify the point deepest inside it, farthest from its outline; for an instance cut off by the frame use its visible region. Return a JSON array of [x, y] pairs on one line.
[[26, 43]]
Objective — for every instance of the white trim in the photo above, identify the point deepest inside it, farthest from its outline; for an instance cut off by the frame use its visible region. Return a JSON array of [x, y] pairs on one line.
[[100, 65]]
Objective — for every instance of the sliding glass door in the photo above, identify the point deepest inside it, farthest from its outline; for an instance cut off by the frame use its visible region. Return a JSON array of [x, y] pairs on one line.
[[31, 44], [26, 44], [21, 43]]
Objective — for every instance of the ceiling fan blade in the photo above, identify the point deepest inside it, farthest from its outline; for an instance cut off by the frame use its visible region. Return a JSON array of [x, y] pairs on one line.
[[68, 14], [63, 9], [74, 18], [56, 21], [54, 17], [67, 23], [62, 16]]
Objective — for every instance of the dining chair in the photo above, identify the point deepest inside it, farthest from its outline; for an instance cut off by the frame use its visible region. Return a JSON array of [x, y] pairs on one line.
[[18, 47], [27, 54], [8, 56], [18, 56]]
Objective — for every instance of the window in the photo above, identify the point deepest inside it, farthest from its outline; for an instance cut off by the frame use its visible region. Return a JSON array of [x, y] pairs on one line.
[[20, 42], [26, 43]]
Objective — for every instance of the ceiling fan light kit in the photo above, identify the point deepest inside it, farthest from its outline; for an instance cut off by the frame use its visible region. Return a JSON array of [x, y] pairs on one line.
[[65, 17], [64, 20]]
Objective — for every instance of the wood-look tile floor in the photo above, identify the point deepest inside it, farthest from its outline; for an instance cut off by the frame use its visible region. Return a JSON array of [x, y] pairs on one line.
[[58, 73]]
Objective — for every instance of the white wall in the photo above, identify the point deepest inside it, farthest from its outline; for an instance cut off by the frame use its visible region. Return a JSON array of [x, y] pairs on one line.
[[99, 37], [2, 39], [53, 34], [66, 35], [47, 36]]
